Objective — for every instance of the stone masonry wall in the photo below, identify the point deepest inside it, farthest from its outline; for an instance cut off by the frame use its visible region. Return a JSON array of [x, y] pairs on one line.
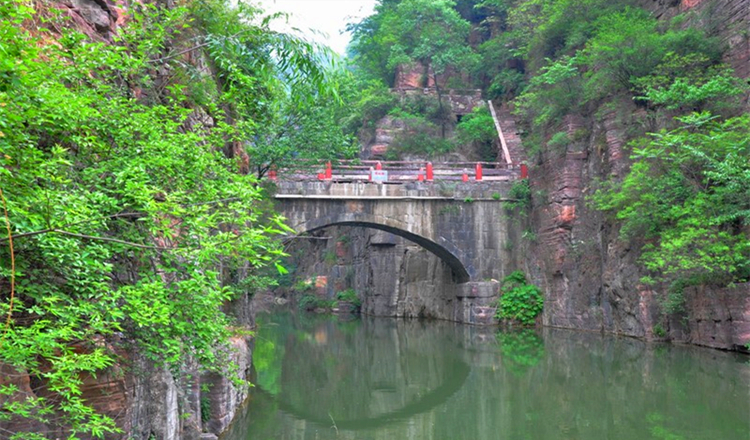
[[392, 276]]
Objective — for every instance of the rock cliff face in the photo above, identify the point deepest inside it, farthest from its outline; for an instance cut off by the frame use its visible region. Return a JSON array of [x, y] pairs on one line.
[[148, 401], [591, 278]]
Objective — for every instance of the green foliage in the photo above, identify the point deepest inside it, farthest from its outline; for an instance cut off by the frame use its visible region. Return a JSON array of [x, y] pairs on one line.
[[478, 129], [428, 32], [281, 92], [617, 49], [349, 295], [304, 285], [560, 27], [205, 404], [520, 193], [420, 137], [687, 196], [311, 302], [330, 257], [370, 44], [268, 355], [559, 141], [659, 331], [126, 194], [691, 82], [551, 94], [427, 106], [529, 235], [659, 430], [368, 104], [519, 301], [629, 45], [496, 54], [312, 130]]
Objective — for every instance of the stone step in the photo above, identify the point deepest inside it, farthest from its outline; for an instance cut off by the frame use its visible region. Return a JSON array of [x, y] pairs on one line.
[[512, 137]]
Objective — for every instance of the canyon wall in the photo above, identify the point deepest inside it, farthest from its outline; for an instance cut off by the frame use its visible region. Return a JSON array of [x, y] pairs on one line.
[[591, 278]]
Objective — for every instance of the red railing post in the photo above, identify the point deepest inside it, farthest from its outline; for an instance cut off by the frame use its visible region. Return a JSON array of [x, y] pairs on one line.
[[430, 172], [329, 171], [479, 171], [524, 171]]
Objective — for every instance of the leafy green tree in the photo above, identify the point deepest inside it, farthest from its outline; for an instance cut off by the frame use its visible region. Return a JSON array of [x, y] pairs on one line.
[[129, 222], [688, 196], [691, 82], [370, 45], [478, 129], [368, 101], [312, 129], [627, 52], [550, 29], [629, 45], [554, 92], [278, 90], [432, 34]]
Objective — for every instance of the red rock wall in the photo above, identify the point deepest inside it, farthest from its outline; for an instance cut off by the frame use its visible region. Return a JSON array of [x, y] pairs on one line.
[[591, 278], [729, 19]]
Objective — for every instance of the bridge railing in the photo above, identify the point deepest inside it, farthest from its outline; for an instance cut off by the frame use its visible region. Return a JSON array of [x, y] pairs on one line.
[[398, 171]]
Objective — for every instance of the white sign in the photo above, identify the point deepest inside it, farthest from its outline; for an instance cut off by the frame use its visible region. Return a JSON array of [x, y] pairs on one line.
[[379, 176]]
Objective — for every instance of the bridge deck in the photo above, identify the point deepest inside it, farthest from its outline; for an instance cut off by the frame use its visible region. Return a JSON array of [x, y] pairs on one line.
[[399, 172], [446, 191]]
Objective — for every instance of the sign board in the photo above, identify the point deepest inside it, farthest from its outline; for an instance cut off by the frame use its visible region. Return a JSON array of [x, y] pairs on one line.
[[379, 176]]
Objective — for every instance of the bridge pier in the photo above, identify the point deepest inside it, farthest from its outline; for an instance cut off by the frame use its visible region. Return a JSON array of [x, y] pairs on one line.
[[476, 302]]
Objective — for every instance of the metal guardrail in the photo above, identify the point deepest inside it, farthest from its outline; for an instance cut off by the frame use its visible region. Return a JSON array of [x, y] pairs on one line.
[[399, 171]]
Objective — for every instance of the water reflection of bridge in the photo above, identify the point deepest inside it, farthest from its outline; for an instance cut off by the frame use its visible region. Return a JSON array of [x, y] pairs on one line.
[[370, 374], [568, 385]]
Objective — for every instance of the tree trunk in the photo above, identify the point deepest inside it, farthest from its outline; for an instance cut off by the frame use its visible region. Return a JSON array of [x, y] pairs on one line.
[[440, 105]]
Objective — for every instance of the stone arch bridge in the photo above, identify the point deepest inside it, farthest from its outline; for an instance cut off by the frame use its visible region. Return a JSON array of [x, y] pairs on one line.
[[464, 223]]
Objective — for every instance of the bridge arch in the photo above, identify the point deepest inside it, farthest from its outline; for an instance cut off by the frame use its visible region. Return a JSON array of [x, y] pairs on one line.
[[447, 252]]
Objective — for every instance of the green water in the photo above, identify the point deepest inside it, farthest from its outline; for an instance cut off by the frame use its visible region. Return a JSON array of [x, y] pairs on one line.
[[327, 378]]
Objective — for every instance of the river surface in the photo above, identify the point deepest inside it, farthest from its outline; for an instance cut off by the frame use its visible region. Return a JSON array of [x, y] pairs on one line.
[[334, 378]]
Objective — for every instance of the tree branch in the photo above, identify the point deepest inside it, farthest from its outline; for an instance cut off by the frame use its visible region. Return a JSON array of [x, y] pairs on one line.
[[111, 240], [48, 230]]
